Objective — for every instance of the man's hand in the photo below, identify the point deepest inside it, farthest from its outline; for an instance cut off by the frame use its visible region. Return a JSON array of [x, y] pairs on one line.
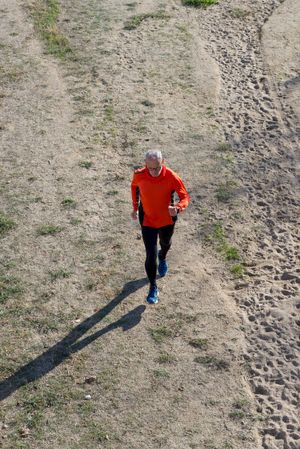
[[134, 214], [173, 211]]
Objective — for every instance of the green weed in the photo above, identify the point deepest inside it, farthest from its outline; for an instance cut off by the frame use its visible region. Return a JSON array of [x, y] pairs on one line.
[[148, 103], [107, 379], [228, 445], [237, 414], [95, 433], [91, 285], [237, 270], [75, 221], [49, 230], [141, 128], [241, 409], [200, 343], [131, 5], [135, 21], [239, 13], [85, 164], [224, 147], [109, 113], [165, 358], [228, 251], [10, 74], [6, 223], [9, 287], [161, 373], [225, 153], [231, 253], [241, 403], [199, 3], [159, 334], [226, 191], [212, 362], [41, 401], [59, 274], [209, 111], [68, 203]]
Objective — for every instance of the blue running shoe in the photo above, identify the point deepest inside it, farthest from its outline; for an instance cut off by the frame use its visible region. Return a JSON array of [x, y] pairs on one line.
[[152, 297], [162, 266]]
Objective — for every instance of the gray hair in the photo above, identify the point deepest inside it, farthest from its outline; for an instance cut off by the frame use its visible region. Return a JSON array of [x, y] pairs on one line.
[[154, 154]]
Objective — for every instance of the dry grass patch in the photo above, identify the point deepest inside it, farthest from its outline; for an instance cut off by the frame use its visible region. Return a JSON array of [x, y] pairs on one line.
[[9, 287], [136, 21], [45, 14]]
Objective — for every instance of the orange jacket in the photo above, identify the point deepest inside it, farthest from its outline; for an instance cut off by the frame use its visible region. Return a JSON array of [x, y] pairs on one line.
[[155, 195]]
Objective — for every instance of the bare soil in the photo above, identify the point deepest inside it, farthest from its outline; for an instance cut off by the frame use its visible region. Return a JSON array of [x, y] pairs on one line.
[[84, 361]]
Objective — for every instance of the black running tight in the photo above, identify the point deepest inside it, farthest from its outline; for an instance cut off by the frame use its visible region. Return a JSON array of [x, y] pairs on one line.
[[150, 240]]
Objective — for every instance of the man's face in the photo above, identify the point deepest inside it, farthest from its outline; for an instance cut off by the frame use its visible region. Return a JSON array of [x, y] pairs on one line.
[[154, 166]]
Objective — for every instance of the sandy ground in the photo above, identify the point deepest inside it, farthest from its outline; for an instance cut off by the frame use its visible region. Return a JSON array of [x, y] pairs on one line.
[[79, 364]]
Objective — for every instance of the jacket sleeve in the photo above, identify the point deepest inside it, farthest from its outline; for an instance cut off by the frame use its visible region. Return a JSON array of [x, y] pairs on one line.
[[135, 193], [181, 191]]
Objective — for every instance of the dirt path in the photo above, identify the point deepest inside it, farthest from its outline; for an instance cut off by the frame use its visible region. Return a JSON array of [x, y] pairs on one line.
[[260, 122], [84, 362]]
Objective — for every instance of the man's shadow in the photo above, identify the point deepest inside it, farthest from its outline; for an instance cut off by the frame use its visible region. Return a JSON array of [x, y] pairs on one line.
[[47, 361]]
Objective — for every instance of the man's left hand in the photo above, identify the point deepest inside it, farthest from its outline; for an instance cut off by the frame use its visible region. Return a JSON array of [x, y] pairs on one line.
[[173, 211]]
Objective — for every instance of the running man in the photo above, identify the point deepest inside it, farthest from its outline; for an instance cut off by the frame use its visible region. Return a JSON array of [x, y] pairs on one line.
[[153, 189]]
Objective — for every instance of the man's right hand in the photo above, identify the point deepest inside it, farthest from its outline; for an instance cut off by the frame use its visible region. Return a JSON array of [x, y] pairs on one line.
[[134, 214]]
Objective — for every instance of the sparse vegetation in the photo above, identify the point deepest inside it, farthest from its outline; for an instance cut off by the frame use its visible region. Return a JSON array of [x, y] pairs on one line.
[[82, 314], [49, 230], [241, 403], [229, 252], [136, 20], [109, 113], [209, 111], [165, 358], [159, 334], [85, 164], [237, 270], [199, 3], [95, 434], [225, 153], [228, 445], [11, 74], [161, 373], [59, 274], [239, 13], [200, 343], [68, 203], [224, 147], [45, 14], [131, 5], [148, 103], [226, 191], [6, 223], [212, 362], [9, 287], [241, 409]]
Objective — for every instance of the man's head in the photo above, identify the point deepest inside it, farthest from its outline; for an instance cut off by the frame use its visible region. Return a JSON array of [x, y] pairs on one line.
[[154, 161]]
